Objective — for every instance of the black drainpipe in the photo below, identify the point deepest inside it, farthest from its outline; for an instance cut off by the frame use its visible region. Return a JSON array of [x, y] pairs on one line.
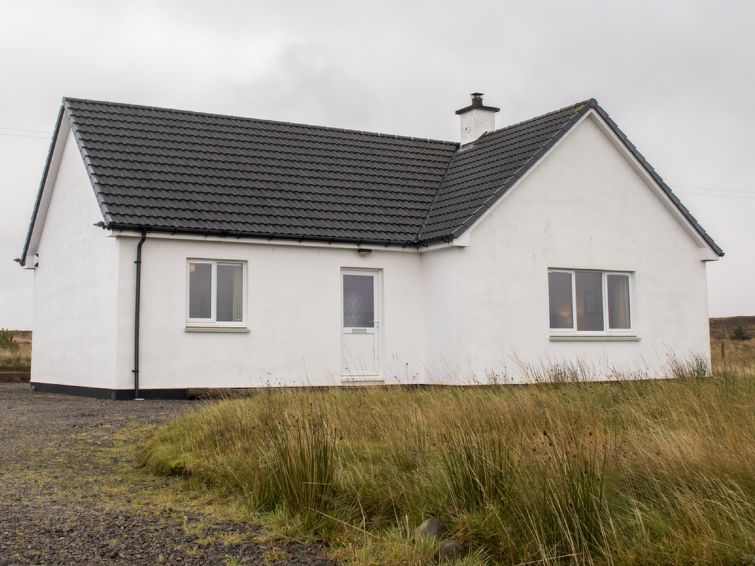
[[137, 304]]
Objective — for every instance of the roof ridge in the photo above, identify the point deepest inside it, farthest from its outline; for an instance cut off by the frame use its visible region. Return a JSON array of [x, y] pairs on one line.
[[258, 120], [576, 106]]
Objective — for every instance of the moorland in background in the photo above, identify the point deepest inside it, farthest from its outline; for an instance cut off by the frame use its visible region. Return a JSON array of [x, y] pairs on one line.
[[15, 355]]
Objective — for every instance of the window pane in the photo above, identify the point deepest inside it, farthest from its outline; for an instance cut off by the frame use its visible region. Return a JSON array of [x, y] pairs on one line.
[[559, 294], [589, 289], [200, 281], [230, 293], [618, 301], [358, 301]]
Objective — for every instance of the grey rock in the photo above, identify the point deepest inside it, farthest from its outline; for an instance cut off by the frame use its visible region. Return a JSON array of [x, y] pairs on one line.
[[450, 550], [430, 528]]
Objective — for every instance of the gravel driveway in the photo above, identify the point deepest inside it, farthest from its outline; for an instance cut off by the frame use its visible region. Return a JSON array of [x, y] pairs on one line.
[[62, 500]]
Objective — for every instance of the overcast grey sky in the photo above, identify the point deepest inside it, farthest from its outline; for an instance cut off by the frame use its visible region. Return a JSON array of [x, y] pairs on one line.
[[678, 77]]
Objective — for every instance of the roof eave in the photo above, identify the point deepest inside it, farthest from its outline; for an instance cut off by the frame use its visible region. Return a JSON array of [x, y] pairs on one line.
[[113, 226]]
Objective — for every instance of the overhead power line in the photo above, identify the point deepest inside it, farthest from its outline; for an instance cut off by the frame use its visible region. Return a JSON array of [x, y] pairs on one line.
[[715, 189], [741, 193], [46, 138], [709, 195], [26, 130]]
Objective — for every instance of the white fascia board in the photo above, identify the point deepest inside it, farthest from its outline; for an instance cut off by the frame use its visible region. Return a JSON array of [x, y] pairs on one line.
[[59, 145], [462, 241], [708, 254]]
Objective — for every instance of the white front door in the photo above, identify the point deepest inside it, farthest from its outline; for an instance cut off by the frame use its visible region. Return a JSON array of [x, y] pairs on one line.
[[360, 335]]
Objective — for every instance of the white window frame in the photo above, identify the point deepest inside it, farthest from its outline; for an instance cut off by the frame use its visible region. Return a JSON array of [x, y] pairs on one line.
[[604, 284], [212, 321]]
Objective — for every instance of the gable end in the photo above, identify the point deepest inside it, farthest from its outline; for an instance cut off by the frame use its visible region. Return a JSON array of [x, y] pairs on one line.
[[583, 111]]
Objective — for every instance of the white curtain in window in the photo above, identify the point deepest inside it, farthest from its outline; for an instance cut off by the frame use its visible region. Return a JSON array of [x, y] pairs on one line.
[[229, 292], [200, 284], [618, 301], [560, 298]]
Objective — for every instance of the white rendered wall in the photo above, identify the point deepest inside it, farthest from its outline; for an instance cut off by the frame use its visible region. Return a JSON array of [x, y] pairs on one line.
[[294, 316], [74, 285], [440, 296], [583, 207]]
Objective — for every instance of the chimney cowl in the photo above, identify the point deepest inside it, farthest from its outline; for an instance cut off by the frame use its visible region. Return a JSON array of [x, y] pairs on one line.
[[476, 119], [477, 104]]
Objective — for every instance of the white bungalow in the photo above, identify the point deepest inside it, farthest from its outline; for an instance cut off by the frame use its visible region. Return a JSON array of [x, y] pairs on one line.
[[175, 250]]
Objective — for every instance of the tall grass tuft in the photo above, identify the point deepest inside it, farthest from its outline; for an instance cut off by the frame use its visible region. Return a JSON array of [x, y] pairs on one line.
[[303, 464], [477, 468], [570, 516]]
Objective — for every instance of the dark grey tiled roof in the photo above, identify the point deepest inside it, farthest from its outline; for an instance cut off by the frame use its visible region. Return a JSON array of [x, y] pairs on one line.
[[167, 170], [190, 172]]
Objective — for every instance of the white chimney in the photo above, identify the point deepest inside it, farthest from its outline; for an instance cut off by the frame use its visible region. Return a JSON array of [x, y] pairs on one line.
[[476, 119]]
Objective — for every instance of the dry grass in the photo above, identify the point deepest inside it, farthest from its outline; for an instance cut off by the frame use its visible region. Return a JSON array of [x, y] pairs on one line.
[[15, 349], [627, 472]]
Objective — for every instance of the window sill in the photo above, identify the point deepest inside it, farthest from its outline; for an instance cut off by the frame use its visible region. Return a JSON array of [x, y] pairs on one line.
[[217, 329], [594, 338]]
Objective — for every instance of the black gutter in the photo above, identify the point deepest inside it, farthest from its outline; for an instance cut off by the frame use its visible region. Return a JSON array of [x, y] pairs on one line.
[[262, 236], [137, 309]]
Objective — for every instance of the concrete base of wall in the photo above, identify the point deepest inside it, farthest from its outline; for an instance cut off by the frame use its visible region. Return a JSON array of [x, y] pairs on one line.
[[195, 393], [113, 394]]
